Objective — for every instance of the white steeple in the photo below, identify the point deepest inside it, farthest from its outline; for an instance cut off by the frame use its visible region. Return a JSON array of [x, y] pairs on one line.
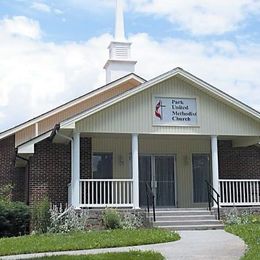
[[119, 24], [119, 63]]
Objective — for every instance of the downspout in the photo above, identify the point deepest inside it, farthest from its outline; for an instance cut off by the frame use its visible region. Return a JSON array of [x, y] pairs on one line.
[[55, 132], [28, 173]]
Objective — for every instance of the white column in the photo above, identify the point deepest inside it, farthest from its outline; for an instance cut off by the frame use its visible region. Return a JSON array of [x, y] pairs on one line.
[[75, 175], [215, 172], [135, 170]]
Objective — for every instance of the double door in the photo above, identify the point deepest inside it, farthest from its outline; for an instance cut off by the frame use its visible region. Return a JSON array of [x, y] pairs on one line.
[[159, 173]]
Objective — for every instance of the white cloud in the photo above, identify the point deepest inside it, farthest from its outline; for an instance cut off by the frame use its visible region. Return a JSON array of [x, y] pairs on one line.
[[200, 17], [58, 11], [36, 76], [41, 7], [21, 26]]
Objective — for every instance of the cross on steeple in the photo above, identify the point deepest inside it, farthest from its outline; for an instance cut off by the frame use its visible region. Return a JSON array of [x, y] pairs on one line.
[[119, 63], [119, 23]]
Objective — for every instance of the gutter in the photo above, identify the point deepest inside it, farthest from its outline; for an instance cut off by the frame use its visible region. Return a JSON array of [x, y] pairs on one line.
[[54, 131]]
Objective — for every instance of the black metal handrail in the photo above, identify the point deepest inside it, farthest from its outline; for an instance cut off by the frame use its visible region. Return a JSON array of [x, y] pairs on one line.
[[150, 195], [211, 197]]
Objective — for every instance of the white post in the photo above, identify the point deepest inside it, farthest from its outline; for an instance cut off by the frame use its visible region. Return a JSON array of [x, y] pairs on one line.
[[75, 175], [215, 172], [135, 170]]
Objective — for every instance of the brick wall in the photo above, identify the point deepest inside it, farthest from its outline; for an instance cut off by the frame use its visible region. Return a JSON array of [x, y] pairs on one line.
[[238, 163], [50, 170], [8, 173], [85, 158]]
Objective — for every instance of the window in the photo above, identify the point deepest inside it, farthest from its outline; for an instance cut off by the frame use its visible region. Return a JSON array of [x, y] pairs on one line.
[[102, 166], [201, 173]]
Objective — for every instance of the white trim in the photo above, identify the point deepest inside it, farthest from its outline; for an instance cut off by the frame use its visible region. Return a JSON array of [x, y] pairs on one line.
[[28, 147], [70, 104], [214, 165], [135, 170], [75, 175], [231, 101]]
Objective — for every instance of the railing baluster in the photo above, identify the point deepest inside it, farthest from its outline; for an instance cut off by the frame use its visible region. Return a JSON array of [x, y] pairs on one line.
[[84, 192], [257, 192], [124, 194], [127, 193], [240, 192], [112, 191], [105, 192], [120, 192], [108, 193], [116, 194]]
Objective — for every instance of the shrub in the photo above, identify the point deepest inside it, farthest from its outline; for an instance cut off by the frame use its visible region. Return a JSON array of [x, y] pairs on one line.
[[6, 193], [41, 216], [111, 219], [132, 221], [14, 218], [242, 218], [67, 220]]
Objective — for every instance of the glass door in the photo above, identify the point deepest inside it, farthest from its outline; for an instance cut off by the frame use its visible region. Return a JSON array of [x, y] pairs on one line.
[[158, 172], [201, 174], [164, 181]]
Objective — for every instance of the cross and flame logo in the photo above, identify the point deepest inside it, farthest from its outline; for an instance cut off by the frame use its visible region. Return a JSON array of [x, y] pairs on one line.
[[158, 110]]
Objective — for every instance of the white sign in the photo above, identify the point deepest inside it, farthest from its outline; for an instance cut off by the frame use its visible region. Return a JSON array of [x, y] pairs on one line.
[[175, 111]]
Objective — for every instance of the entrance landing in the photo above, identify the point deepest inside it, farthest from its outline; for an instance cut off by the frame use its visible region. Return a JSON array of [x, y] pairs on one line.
[[186, 219]]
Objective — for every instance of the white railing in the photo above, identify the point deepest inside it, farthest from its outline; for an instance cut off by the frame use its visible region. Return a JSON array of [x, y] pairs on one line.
[[234, 192], [106, 193]]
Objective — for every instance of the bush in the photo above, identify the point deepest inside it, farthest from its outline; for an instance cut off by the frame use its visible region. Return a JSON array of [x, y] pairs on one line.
[[14, 218], [6, 193], [111, 219], [235, 217], [132, 221], [68, 220], [41, 216]]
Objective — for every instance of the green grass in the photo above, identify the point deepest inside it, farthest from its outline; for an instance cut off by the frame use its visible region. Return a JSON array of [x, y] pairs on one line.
[[84, 240], [133, 255], [250, 233]]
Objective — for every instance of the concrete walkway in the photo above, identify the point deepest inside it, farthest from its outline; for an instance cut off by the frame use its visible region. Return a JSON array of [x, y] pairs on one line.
[[210, 244]]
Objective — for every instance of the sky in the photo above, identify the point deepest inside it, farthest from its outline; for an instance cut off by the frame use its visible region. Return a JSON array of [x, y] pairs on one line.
[[52, 51]]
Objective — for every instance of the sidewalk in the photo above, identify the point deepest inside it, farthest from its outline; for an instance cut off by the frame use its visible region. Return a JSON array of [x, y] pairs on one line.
[[210, 244]]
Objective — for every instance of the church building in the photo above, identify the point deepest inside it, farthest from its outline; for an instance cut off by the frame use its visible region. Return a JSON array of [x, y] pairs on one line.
[[174, 136]]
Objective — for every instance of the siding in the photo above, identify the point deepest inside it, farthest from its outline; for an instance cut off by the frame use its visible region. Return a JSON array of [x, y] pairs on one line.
[[25, 134], [182, 148], [48, 123], [134, 115]]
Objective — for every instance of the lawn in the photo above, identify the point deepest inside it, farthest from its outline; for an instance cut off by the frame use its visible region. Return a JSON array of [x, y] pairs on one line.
[[133, 255], [84, 240], [250, 233]]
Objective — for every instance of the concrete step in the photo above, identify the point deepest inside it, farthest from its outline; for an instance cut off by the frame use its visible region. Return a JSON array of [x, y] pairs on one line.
[[185, 217], [181, 212], [181, 209], [194, 227], [186, 223]]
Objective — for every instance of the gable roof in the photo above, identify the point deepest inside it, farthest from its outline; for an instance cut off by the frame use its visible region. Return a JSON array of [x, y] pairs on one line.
[[131, 77], [179, 72]]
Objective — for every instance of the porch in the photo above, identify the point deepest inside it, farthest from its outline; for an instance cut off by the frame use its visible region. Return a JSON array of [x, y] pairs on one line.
[[118, 193], [170, 171]]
